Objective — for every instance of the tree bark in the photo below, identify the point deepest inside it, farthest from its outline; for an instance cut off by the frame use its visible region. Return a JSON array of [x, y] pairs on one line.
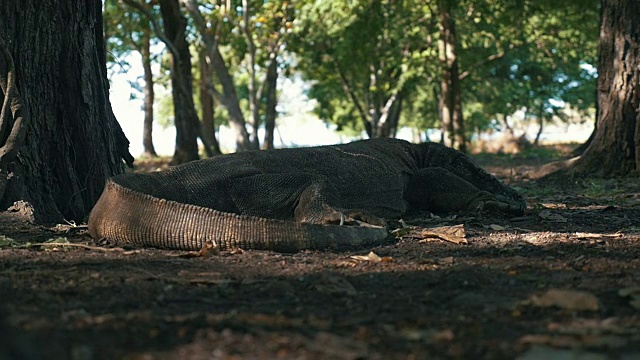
[[73, 142], [272, 101], [206, 101], [536, 141], [147, 134], [228, 98], [185, 116], [615, 148], [452, 119], [254, 99]]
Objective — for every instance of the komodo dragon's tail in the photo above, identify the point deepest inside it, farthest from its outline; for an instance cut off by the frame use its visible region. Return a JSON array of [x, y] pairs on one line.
[[124, 215]]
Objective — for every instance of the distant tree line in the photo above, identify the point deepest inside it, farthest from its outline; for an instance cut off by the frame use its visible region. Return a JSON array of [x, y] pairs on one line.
[[373, 65]]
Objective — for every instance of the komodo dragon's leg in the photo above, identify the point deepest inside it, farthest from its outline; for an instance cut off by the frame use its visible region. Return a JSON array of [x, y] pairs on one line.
[[295, 196], [438, 189], [319, 203], [465, 168]]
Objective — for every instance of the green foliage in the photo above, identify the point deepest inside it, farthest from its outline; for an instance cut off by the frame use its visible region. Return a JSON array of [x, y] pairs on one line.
[[527, 54], [537, 55], [358, 54], [541, 50], [124, 30]]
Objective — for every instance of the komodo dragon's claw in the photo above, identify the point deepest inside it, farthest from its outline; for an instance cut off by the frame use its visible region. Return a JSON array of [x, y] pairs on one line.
[[491, 203]]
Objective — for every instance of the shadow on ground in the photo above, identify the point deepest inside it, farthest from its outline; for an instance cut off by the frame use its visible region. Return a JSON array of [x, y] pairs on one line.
[[419, 298]]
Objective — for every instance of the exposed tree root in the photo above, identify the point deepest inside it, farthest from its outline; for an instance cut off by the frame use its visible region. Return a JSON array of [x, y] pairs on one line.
[[14, 140]]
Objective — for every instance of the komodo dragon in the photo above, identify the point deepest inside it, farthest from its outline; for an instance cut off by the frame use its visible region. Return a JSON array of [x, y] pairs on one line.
[[293, 199]]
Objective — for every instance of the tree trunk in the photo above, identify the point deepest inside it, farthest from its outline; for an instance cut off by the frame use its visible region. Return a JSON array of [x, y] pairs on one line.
[[451, 119], [615, 148], [147, 134], [394, 115], [254, 99], [270, 115], [541, 128], [185, 117], [229, 100], [73, 142], [206, 101]]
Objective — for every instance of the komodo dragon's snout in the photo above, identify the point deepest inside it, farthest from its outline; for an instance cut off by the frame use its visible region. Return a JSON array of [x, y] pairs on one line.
[[294, 199]]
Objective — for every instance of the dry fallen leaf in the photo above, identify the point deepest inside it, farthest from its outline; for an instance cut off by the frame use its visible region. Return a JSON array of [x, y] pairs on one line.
[[497, 227], [633, 293], [547, 215], [566, 299], [545, 352], [372, 257], [446, 260], [581, 235], [455, 234], [208, 249]]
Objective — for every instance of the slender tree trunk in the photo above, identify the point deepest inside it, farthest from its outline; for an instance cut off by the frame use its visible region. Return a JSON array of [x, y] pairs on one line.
[[185, 116], [229, 99], [451, 119], [438, 100], [615, 148], [394, 115], [147, 134], [271, 83], [73, 142], [507, 126], [207, 103], [346, 86], [254, 100], [541, 123]]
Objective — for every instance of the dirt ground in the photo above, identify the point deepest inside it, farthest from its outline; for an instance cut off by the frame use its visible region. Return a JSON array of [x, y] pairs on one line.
[[562, 282]]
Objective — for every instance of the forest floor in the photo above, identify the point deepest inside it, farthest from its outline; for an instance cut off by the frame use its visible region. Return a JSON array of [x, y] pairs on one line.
[[561, 282]]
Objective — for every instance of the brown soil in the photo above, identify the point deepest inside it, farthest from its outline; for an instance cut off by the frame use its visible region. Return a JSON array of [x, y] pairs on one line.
[[420, 298]]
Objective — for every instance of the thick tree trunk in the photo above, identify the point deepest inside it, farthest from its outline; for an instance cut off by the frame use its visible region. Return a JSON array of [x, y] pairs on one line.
[[73, 141], [615, 148], [270, 115], [147, 134], [185, 116]]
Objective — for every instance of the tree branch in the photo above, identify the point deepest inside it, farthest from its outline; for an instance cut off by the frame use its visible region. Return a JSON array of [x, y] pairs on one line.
[[488, 60], [154, 24], [349, 90], [9, 150], [7, 85], [480, 63]]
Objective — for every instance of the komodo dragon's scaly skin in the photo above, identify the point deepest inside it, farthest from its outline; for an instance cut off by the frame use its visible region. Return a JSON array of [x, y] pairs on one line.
[[293, 199]]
